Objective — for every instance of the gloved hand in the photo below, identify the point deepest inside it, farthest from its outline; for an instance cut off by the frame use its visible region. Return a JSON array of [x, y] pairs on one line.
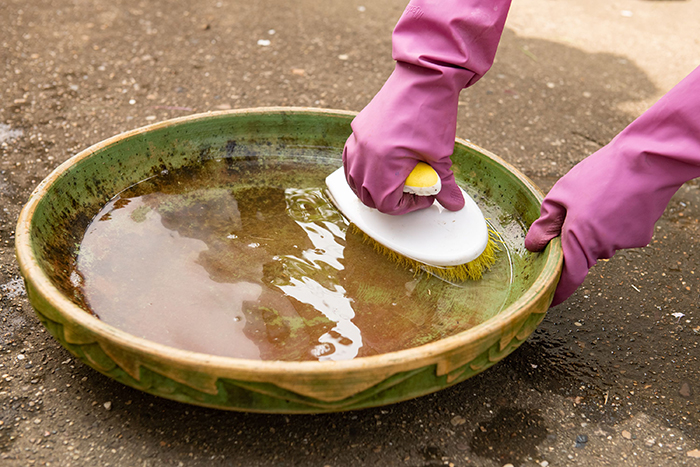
[[612, 199], [439, 48]]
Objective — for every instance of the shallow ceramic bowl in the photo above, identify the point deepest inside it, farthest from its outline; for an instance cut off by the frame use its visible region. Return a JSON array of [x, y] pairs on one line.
[[61, 207]]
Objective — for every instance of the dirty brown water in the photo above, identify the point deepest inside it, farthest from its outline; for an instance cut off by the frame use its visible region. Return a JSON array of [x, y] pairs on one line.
[[244, 264]]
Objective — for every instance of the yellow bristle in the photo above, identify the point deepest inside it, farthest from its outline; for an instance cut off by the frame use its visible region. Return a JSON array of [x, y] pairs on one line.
[[472, 270]]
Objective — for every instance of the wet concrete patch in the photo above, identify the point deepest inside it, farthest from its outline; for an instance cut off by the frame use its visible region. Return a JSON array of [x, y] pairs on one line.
[[432, 455], [511, 435], [8, 413]]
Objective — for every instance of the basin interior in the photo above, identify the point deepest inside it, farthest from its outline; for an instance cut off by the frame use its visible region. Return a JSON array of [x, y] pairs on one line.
[[266, 268]]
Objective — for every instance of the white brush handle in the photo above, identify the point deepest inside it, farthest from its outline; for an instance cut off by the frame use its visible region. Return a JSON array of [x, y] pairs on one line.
[[433, 236]]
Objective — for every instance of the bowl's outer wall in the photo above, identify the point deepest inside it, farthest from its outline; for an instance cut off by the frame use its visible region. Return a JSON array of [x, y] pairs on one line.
[[52, 224]]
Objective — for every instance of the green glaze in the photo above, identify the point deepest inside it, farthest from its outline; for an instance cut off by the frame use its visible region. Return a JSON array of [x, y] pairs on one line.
[[53, 221]]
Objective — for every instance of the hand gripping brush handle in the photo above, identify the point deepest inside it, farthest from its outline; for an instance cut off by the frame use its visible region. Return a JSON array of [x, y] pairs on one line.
[[454, 245]]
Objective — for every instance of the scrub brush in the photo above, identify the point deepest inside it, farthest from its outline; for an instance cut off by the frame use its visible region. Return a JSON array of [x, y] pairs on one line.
[[453, 245]]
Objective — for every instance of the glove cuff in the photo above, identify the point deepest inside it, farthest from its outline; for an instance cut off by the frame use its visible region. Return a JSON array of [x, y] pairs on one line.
[[451, 34]]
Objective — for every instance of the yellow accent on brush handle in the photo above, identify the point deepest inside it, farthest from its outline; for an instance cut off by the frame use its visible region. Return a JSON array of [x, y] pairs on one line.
[[423, 181]]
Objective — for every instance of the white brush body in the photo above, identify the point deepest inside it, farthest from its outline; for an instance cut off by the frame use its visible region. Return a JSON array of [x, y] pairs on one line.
[[434, 236]]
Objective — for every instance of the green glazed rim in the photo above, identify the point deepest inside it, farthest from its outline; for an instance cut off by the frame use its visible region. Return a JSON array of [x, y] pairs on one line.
[[278, 386]]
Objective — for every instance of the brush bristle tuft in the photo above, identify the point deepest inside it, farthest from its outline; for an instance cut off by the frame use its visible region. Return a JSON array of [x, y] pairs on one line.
[[472, 270]]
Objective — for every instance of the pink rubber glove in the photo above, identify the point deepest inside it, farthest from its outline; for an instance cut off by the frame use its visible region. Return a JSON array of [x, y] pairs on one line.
[[612, 199], [440, 47]]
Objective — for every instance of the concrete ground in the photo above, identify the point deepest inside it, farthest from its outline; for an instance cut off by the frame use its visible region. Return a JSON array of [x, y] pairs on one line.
[[611, 377]]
